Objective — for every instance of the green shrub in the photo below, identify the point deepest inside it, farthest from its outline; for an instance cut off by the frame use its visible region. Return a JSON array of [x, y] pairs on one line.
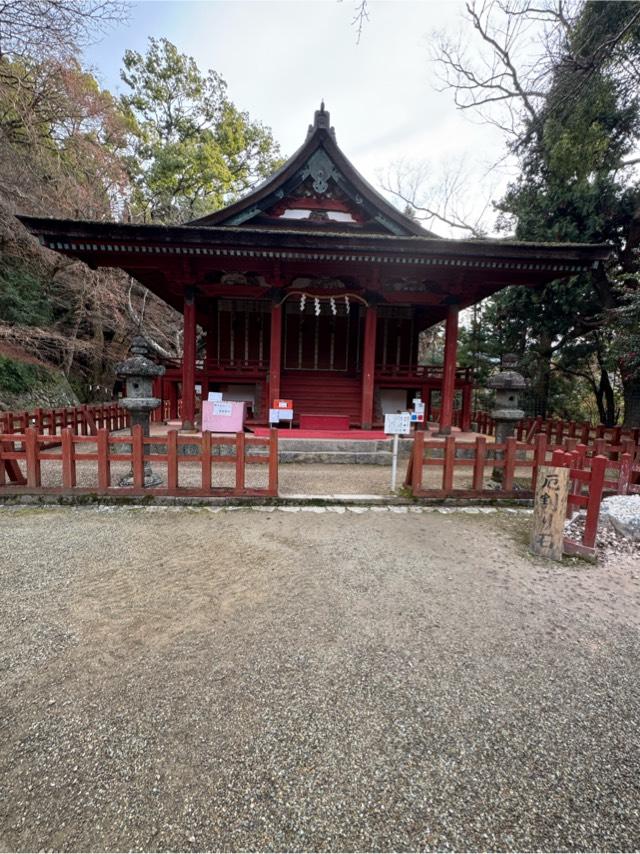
[[23, 297], [19, 377]]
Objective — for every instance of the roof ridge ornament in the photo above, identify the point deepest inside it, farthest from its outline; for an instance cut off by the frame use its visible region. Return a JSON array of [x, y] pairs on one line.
[[321, 121]]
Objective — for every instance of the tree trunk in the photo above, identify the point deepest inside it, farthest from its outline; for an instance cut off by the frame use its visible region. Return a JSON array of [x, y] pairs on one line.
[[606, 400], [542, 379], [631, 386]]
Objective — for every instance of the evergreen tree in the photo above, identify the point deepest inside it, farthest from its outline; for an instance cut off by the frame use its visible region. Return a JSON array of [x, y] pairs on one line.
[[194, 151]]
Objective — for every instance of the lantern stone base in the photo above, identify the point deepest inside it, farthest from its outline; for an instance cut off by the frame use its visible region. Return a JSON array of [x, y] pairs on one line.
[[150, 479]]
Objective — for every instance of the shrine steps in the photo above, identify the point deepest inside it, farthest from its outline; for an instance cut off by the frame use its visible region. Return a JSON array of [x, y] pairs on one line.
[[322, 393]]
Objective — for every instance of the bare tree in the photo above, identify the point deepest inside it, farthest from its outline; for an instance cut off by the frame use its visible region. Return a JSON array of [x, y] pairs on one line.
[[54, 28], [504, 73], [439, 195]]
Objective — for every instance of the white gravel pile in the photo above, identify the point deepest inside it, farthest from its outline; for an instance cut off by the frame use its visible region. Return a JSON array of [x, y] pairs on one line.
[[623, 513]]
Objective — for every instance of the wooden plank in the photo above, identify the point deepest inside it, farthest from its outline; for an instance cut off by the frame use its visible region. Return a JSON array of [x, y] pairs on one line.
[[596, 486], [104, 461], [240, 463], [9, 467], [205, 461], [479, 463], [172, 460], [549, 511], [448, 462], [68, 459], [624, 475], [137, 462], [509, 468], [91, 422], [273, 462], [34, 479], [418, 462], [539, 458]]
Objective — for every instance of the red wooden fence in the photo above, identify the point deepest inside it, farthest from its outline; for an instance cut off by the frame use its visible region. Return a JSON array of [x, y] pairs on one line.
[[593, 478], [556, 430], [453, 455], [28, 451], [83, 420], [517, 466]]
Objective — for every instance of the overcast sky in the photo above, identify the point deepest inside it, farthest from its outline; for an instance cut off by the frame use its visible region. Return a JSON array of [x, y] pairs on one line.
[[281, 58]]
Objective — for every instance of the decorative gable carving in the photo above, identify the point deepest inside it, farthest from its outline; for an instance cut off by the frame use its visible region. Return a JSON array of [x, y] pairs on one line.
[[339, 198]]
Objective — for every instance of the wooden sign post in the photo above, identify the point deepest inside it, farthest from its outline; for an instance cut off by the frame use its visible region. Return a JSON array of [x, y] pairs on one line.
[[549, 511]]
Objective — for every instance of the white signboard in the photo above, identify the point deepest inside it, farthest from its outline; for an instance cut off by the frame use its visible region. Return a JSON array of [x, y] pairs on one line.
[[214, 396], [274, 416], [418, 406], [222, 408], [399, 423]]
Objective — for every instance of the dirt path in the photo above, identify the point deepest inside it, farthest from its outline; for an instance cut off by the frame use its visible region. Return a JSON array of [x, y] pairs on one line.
[[175, 679]]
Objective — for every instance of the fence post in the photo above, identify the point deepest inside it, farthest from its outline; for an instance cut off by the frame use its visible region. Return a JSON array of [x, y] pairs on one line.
[[624, 477], [32, 457], [596, 486], [539, 458], [447, 468], [479, 463], [273, 462], [509, 463], [418, 462], [68, 459], [239, 463], [137, 449], [104, 463], [172, 460], [205, 460]]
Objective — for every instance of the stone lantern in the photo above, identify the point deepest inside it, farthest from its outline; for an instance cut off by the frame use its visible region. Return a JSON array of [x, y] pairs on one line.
[[139, 373], [508, 384]]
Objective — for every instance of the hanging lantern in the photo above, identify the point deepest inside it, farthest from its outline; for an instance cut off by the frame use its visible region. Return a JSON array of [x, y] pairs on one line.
[[317, 306], [334, 310], [346, 303]]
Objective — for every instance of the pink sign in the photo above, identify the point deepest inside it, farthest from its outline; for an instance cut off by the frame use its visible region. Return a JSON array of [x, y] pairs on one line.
[[223, 416]]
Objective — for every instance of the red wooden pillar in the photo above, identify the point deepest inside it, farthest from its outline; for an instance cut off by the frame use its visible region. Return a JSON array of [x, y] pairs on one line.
[[449, 371], [158, 386], [275, 353], [368, 366], [172, 394], [467, 389], [189, 361]]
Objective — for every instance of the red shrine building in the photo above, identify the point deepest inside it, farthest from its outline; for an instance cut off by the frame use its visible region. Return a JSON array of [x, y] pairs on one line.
[[314, 288]]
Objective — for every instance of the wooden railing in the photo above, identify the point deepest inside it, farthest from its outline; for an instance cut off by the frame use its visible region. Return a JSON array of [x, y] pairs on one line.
[[419, 372], [451, 456], [556, 430], [600, 468], [594, 479], [22, 456], [84, 420]]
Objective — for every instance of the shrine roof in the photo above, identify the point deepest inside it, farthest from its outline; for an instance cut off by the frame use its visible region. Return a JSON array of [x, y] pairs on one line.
[[317, 187], [76, 237]]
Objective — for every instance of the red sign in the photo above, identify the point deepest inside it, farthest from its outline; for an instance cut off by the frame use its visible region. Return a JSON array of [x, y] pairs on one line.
[[282, 404]]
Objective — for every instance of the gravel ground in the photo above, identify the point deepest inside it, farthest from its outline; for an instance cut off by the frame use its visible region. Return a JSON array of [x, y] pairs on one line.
[[295, 478], [354, 680]]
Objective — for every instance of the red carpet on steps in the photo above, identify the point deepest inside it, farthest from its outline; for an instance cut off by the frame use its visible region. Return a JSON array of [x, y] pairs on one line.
[[286, 433]]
